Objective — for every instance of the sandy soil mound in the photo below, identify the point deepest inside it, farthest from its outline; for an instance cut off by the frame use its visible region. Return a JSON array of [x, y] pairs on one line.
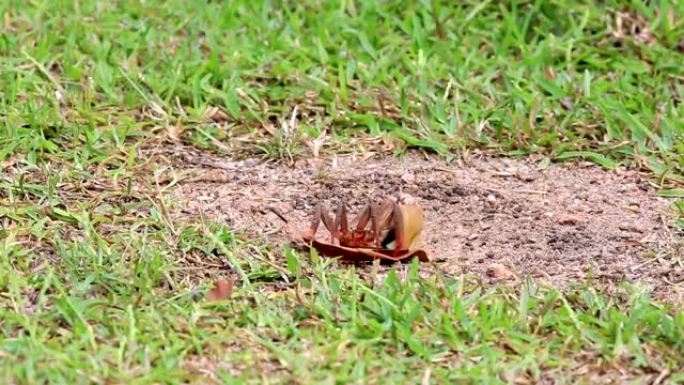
[[499, 218]]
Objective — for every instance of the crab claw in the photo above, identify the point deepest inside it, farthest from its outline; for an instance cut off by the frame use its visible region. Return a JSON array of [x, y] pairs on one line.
[[411, 222], [405, 228]]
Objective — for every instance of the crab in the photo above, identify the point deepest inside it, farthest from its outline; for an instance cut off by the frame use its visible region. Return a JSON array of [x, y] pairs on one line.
[[388, 230]]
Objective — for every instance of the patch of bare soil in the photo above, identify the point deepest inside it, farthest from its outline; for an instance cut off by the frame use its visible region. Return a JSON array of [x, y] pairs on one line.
[[500, 218]]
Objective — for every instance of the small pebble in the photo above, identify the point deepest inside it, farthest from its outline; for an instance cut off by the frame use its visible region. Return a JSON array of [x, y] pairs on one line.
[[568, 219], [631, 227], [498, 271]]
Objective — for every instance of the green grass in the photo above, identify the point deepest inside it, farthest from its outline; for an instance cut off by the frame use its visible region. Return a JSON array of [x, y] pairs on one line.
[[107, 313], [98, 284]]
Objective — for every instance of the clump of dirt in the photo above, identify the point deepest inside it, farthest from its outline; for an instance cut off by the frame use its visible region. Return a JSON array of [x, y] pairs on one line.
[[495, 217]]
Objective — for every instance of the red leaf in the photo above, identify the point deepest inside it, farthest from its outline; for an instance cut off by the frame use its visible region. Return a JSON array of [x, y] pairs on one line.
[[222, 290]]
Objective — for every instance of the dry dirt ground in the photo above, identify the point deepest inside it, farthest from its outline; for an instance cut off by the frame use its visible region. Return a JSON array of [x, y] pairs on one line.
[[501, 219]]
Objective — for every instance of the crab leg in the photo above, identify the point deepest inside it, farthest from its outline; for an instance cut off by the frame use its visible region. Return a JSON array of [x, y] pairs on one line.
[[341, 224], [382, 222], [321, 213], [364, 217], [376, 225], [315, 221], [330, 225]]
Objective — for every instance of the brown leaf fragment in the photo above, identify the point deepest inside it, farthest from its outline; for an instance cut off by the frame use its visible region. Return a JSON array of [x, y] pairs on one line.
[[222, 290]]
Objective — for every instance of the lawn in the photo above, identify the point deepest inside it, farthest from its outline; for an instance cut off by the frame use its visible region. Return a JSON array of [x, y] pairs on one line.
[[95, 283]]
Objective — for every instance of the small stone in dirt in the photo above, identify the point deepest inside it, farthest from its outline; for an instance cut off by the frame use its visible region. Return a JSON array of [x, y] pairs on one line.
[[568, 219], [300, 204], [631, 227], [295, 234], [491, 198], [408, 177], [499, 271], [525, 177]]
